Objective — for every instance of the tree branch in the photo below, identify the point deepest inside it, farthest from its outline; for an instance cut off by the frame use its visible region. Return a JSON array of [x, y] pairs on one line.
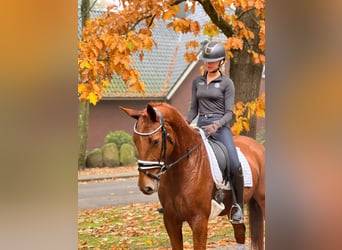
[[177, 2], [217, 20], [92, 5], [149, 25], [86, 12], [141, 19]]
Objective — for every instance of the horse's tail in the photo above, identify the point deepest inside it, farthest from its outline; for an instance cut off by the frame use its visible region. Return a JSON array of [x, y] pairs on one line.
[[256, 224]]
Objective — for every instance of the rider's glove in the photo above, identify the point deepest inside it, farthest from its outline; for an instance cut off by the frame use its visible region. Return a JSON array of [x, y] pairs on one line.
[[212, 128]]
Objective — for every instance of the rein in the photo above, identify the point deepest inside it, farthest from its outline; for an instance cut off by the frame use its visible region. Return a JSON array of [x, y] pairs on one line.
[[144, 166]]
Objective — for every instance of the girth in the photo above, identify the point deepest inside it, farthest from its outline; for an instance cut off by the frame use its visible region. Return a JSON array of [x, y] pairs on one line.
[[222, 157]]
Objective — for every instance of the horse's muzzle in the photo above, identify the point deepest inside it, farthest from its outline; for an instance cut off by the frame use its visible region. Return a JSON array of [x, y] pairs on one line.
[[146, 184], [147, 190]]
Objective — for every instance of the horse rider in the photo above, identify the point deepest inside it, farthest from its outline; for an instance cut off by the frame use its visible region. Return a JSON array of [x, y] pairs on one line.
[[212, 99]]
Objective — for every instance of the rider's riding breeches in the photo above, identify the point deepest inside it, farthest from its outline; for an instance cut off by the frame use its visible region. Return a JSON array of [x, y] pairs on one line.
[[225, 136]]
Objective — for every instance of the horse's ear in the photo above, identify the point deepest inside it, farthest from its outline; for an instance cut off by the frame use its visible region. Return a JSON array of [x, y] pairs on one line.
[[151, 112], [131, 112]]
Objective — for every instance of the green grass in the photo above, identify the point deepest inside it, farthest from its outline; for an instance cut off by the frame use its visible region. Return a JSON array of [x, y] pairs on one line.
[[140, 226]]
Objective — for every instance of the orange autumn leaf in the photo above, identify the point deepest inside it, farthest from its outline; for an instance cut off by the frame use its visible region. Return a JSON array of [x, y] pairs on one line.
[[92, 98], [244, 111], [210, 29], [168, 14], [195, 27], [192, 43], [190, 56]]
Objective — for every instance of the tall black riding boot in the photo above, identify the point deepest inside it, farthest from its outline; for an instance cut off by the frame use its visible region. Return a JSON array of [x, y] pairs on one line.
[[238, 186]]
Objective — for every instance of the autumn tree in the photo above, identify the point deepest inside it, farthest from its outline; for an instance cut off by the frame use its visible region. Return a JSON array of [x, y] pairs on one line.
[[83, 107], [110, 41]]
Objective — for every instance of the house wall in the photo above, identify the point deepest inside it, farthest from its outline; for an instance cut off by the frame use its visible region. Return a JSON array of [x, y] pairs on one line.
[[107, 117]]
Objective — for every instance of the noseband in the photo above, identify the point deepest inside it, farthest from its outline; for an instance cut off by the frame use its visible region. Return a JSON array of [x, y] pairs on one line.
[[144, 166]]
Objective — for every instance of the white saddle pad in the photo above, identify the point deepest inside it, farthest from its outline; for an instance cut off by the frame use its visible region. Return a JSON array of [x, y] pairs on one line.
[[215, 169]]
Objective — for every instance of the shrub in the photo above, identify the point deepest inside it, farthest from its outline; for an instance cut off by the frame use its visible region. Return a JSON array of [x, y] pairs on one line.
[[127, 154], [260, 137], [94, 158], [110, 155], [118, 137]]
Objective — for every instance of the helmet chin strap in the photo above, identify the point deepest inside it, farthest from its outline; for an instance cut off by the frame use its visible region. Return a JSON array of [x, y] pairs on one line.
[[214, 71]]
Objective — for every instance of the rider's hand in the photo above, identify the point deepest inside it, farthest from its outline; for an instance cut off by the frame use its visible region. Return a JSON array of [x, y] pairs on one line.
[[212, 128]]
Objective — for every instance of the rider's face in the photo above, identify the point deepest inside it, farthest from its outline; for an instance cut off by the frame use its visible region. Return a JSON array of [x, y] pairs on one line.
[[212, 66]]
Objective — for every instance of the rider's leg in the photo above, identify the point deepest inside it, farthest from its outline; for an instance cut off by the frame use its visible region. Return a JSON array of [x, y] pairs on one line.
[[225, 136]]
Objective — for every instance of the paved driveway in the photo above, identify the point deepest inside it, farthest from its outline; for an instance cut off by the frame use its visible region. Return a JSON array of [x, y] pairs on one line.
[[113, 193]]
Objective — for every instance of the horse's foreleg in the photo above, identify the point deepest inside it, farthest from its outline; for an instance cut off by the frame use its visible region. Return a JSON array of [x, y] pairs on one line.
[[240, 233], [199, 226], [174, 230]]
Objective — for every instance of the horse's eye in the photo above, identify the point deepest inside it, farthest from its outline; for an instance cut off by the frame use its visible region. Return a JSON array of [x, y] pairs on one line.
[[155, 142]]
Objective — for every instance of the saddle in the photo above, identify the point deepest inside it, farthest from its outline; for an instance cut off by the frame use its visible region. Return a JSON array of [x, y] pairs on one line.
[[222, 158]]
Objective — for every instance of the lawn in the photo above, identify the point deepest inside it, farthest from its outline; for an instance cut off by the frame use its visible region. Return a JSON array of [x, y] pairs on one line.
[[140, 226]]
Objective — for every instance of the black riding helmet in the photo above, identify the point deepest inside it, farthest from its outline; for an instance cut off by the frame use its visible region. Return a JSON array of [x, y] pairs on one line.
[[213, 52]]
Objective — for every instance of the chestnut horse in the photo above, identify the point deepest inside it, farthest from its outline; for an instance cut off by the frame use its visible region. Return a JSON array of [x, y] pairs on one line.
[[173, 162]]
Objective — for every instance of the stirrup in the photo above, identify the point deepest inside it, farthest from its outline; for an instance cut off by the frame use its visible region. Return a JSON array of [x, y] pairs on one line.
[[237, 206]]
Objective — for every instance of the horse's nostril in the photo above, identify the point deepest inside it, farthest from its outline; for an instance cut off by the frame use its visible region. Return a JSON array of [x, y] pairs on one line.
[[148, 190]]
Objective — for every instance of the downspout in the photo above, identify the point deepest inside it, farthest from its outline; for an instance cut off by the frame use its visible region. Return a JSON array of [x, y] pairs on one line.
[[168, 76]]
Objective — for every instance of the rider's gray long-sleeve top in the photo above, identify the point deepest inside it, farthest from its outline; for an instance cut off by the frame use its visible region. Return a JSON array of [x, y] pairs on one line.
[[215, 98]]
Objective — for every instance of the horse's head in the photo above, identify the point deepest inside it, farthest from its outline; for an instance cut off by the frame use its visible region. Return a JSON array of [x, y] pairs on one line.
[[153, 137]]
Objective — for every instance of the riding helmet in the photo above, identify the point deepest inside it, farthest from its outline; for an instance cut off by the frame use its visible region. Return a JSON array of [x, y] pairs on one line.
[[213, 52]]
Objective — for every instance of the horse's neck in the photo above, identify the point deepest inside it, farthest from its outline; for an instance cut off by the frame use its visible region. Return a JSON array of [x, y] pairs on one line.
[[189, 143], [187, 138]]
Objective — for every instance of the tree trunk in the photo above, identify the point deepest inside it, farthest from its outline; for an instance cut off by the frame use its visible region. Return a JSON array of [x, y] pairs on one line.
[[83, 111], [246, 77], [245, 74], [85, 8], [83, 117]]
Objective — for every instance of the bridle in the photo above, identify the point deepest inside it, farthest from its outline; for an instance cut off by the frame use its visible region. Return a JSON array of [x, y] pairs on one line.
[[144, 166]]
